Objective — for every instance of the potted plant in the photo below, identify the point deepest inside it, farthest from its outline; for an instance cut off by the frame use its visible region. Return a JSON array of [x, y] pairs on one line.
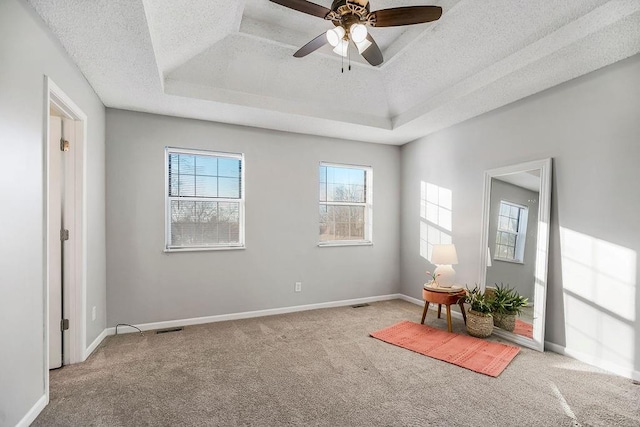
[[479, 319], [506, 304]]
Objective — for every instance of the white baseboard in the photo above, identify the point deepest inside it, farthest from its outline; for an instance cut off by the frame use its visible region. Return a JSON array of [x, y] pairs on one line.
[[249, 314], [412, 300], [594, 361], [33, 412], [94, 345]]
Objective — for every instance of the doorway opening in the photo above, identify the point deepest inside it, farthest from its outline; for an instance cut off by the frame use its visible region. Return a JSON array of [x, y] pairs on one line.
[[65, 130]]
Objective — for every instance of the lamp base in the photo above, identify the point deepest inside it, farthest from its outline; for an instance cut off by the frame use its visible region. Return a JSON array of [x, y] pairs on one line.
[[446, 276]]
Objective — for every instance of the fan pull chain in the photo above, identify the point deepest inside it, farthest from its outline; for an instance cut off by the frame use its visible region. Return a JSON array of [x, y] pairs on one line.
[[349, 53], [342, 59]]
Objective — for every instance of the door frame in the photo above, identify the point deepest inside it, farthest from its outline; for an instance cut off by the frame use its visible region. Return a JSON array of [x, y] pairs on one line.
[[76, 289]]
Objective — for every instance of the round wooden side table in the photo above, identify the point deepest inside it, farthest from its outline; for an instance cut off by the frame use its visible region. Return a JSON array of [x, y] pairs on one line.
[[446, 298]]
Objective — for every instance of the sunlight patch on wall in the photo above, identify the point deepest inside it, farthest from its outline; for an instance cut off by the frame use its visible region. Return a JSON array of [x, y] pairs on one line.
[[436, 217], [599, 280], [599, 271]]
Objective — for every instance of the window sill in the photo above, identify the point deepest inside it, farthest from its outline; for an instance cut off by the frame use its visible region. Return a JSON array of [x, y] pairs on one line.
[[345, 243], [512, 261], [225, 248]]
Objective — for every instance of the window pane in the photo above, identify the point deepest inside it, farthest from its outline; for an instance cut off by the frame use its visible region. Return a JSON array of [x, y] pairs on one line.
[[174, 187], [341, 223], [201, 223], [206, 186], [323, 191], [345, 184], [186, 164], [229, 167], [514, 212], [504, 209], [186, 185], [503, 223], [513, 225], [206, 165], [229, 188]]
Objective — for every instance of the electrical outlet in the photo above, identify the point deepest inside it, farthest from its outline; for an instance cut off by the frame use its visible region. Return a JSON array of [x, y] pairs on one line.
[[298, 287], [93, 313]]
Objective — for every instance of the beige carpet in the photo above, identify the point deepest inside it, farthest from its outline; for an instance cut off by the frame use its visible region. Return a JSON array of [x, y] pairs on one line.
[[321, 368]]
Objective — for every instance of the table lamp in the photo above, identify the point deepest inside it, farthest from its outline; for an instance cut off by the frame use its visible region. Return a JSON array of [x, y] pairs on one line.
[[444, 256]]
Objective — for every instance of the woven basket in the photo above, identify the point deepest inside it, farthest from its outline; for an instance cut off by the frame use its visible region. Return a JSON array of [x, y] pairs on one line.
[[504, 321], [479, 324]]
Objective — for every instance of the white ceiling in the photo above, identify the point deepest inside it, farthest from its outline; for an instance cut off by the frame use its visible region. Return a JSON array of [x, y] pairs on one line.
[[231, 61]]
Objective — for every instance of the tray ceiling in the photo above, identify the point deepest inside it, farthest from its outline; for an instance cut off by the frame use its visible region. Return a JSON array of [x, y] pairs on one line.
[[231, 61]]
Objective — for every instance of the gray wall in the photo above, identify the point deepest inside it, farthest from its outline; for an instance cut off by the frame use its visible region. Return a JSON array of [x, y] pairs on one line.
[[28, 52], [591, 129], [519, 276], [147, 285]]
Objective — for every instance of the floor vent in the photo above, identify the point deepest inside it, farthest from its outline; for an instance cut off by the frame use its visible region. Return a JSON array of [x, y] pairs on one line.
[[164, 331], [360, 305]]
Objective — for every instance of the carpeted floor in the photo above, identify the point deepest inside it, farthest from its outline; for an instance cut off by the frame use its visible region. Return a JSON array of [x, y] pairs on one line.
[[321, 368]]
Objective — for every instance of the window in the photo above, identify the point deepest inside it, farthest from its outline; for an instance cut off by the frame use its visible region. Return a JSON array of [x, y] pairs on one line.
[[205, 200], [512, 232], [345, 204]]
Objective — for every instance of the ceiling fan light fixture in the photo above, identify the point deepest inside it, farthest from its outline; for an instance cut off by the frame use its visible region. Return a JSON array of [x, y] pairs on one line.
[[363, 45], [334, 35], [342, 48], [358, 33]]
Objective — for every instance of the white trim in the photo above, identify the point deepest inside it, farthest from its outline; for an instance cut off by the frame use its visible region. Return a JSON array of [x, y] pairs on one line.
[[78, 286], [167, 200], [412, 300], [198, 249], [95, 344], [35, 410], [334, 243], [250, 314], [594, 361], [541, 267], [368, 205]]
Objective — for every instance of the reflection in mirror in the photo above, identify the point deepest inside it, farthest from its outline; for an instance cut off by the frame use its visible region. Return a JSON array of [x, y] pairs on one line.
[[516, 204]]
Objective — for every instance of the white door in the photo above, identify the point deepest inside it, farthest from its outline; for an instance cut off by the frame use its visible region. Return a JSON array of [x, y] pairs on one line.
[[61, 207], [55, 244]]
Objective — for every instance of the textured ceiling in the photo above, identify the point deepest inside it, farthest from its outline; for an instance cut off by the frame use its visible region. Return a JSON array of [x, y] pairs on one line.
[[231, 61]]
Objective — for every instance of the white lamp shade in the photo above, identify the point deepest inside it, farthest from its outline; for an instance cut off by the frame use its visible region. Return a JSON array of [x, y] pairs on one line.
[[334, 35], [358, 33], [363, 45], [444, 255], [342, 48]]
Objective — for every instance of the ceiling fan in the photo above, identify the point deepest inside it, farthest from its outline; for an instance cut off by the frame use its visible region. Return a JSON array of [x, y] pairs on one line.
[[351, 18]]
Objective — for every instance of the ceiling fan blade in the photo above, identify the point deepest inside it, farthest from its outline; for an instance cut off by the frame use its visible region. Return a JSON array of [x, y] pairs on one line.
[[313, 45], [304, 7], [372, 54], [409, 15]]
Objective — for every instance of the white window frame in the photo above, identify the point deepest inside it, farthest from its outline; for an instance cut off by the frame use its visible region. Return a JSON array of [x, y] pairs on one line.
[[368, 205], [167, 201], [521, 234]]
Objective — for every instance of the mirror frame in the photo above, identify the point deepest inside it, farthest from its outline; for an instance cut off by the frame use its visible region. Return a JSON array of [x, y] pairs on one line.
[[542, 251]]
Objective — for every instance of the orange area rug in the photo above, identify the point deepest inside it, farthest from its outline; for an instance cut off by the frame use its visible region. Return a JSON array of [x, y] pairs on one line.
[[523, 328], [486, 357]]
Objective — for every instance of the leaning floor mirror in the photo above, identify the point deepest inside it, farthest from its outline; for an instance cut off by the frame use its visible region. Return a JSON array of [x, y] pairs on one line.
[[514, 247]]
